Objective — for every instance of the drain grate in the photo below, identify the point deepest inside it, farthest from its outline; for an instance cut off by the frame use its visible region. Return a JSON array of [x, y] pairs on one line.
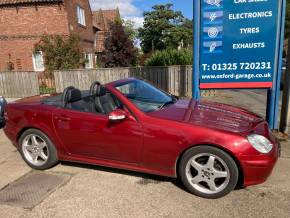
[[30, 190]]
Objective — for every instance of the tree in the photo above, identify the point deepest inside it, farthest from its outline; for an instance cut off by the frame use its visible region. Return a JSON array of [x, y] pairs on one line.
[[170, 57], [60, 52], [119, 48], [164, 28], [130, 29], [187, 24], [178, 37]]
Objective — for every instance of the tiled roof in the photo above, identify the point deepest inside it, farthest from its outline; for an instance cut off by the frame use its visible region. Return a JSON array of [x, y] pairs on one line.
[[98, 20], [15, 2], [111, 15], [102, 20]]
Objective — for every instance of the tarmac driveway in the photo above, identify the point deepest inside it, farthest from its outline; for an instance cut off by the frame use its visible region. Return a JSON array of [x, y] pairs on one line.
[[102, 192]]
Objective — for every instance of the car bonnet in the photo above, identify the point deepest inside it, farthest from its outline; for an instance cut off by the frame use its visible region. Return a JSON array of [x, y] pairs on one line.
[[211, 115]]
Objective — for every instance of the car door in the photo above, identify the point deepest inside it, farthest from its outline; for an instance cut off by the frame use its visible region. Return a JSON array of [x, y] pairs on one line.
[[93, 135]]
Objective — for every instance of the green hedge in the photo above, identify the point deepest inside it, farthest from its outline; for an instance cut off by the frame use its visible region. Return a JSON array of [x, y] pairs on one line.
[[170, 57]]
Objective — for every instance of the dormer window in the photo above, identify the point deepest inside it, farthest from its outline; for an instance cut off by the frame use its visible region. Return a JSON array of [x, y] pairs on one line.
[[81, 16]]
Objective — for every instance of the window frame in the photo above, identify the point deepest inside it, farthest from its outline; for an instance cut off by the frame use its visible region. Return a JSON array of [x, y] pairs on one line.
[[34, 62], [81, 16], [90, 63]]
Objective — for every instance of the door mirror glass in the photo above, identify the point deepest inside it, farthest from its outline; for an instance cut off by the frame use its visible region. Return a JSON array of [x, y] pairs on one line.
[[117, 115]]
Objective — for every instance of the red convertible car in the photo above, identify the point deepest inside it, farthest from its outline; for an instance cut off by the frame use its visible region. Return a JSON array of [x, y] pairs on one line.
[[132, 125]]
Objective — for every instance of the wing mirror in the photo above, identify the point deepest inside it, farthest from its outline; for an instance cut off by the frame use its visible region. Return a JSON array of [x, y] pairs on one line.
[[117, 115]]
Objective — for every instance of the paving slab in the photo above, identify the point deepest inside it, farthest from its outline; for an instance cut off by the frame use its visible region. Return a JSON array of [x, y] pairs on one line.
[[114, 193], [5, 148], [12, 168]]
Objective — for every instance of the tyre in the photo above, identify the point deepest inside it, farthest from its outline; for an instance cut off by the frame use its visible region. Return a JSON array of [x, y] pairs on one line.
[[37, 150], [2, 123], [208, 172], [3, 104]]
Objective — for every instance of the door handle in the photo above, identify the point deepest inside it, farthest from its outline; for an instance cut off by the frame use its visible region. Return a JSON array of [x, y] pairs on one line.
[[63, 118]]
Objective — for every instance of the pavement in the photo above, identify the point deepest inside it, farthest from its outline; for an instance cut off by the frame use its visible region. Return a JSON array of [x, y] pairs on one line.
[[95, 191], [253, 100]]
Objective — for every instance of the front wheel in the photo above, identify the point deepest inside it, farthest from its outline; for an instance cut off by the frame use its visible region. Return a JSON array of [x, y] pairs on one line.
[[208, 172], [37, 150]]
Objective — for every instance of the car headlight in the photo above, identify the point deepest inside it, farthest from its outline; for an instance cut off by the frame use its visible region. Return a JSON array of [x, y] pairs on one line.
[[260, 143]]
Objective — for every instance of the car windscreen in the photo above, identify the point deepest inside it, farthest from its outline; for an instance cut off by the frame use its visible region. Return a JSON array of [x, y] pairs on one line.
[[145, 96]]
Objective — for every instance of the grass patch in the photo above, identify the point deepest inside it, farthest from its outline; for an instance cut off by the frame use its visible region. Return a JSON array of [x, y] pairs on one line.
[[46, 90]]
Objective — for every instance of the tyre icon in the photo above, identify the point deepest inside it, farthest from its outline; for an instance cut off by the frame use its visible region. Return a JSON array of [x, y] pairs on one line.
[[213, 32]]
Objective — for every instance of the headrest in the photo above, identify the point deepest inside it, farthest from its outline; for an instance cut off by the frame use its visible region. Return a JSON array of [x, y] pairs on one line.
[[73, 95], [101, 91], [93, 89]]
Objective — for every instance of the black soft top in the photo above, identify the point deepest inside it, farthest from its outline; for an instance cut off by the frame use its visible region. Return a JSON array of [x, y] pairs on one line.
[[56, 100]]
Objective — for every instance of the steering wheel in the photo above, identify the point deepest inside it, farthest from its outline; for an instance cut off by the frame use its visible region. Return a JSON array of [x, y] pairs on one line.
[[94, 87]]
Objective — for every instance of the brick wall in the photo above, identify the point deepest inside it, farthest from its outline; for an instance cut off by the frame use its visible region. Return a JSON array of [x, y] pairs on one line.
[[20, 28], [33, 20], [20, 51], [86, 33]]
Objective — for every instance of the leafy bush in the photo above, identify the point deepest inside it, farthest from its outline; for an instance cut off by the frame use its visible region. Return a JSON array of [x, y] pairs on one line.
[[170, 57], [60, 53], [46, 90]]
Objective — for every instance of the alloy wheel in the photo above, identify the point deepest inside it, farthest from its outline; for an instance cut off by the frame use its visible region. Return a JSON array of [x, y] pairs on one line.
[[207, 173], [35, 149]]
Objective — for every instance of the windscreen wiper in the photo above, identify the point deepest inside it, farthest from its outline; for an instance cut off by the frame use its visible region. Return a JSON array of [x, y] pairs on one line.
[[166, 104]]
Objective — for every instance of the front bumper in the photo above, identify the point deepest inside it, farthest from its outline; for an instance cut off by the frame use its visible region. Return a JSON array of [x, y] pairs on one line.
[[257, 168]]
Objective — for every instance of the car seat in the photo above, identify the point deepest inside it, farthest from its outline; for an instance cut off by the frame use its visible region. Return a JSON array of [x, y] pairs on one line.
[[72, 99], [104, 101]]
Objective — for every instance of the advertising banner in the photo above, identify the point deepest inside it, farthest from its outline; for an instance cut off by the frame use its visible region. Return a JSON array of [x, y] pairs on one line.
[[239, 43]]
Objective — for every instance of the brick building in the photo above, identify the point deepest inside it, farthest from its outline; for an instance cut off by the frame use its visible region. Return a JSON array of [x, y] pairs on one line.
[[102, 20], [22, 22]]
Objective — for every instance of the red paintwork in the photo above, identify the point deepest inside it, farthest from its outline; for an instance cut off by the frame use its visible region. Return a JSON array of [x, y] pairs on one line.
[[150, 143]]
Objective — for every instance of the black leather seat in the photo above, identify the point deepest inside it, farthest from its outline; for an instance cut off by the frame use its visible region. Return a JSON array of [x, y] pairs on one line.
[[72, 99], [104, 101]]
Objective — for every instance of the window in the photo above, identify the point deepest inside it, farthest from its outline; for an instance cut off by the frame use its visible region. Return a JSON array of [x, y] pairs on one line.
[[81, 16], [145, 96], [38, 63], [96, 60], [89, 61]]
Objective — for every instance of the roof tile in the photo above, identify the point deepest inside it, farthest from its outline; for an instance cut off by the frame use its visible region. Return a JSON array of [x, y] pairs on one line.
[[104, 18], [15, 2]]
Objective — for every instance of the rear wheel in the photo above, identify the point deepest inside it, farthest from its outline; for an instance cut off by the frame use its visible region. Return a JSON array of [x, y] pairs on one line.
[[37, 150], [208, 172]]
